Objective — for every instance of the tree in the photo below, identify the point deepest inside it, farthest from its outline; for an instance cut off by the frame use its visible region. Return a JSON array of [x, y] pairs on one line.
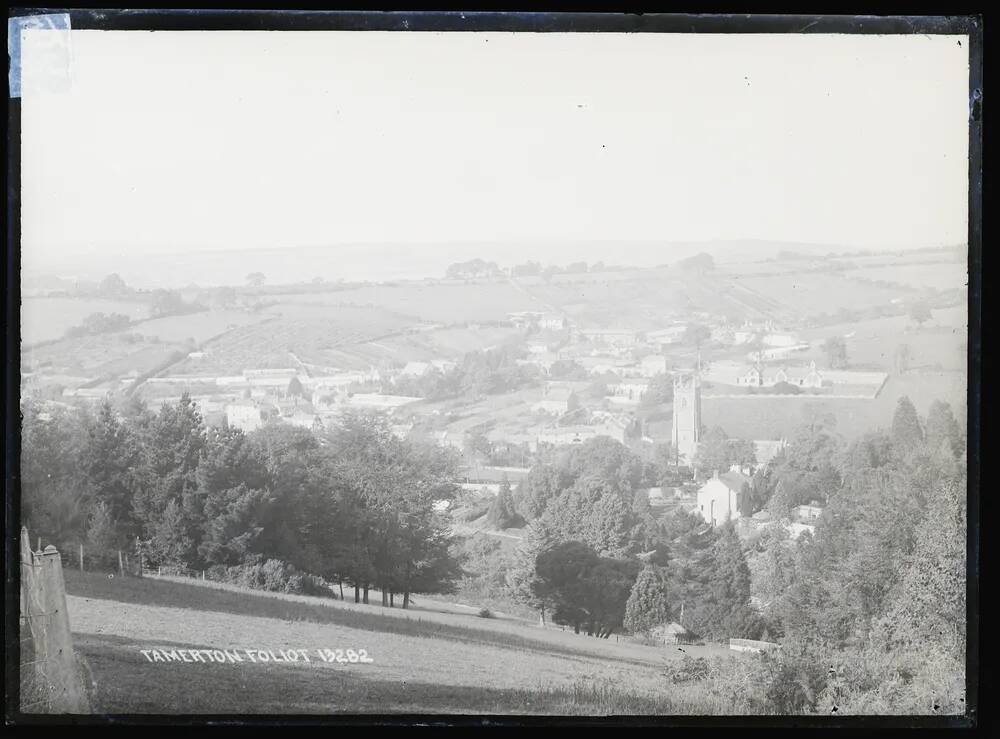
[[902, 358], [103, 536], [113, 286], [170, 543], [647, 605], [943, 429], [168, 303], [295, 389], [717, 452], [660, 391], [906, 432], [501, 514], [111, 454], [522, 580], [583, 590], [696, 334], [920, 312], [702, 262], [835, 349], [256, 279]]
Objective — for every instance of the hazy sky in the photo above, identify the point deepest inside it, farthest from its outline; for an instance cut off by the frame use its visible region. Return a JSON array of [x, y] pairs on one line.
[[220, 140]]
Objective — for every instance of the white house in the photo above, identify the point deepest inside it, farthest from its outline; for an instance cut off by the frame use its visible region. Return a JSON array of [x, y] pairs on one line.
[[245, 416], [719, 498], [631, 389]]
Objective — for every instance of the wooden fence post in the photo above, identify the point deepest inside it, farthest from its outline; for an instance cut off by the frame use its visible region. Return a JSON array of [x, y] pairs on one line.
[[56, 684]]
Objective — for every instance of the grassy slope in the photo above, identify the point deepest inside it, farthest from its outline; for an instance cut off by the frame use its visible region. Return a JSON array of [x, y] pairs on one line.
[[434, 659]]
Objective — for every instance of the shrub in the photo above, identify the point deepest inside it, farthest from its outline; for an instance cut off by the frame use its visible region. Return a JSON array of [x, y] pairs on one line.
[[485, 613], [688, 670], [272, 575]]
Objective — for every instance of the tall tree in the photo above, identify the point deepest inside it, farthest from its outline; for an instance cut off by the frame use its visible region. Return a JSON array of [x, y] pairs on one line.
[[943, 429], [648, 605], [906, 432], [501, 514], [835, 349]]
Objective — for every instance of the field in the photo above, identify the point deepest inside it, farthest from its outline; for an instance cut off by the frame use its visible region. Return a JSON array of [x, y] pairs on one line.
[[941, 344], [435, 658], [815, 293], [45, 319], [200, 326], [939, 276], [763, 417], [441, 303]]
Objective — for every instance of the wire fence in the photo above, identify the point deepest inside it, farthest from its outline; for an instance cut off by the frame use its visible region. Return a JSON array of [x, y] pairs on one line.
[[51, 676]]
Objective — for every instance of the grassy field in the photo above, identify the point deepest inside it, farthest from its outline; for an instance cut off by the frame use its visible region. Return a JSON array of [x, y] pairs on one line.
[[435, 658], [45, 319], [763, 417], [940, 344], [200, 326], [443, 303], [939, 276]]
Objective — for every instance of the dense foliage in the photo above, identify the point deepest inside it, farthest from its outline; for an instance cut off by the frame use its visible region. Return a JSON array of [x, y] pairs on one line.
[[354, 505]]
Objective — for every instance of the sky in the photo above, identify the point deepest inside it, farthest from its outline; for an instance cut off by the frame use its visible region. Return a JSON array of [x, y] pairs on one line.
[[182, 142]]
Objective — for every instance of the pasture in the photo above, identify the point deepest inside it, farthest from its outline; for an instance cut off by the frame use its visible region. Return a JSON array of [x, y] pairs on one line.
[[940, 344], [46, 319], [770, 417], [938, 276], [436, 658], [200, 326], [436, 302]]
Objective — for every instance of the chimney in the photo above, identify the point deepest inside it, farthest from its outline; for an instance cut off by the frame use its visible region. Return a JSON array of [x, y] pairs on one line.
[[715, 475]]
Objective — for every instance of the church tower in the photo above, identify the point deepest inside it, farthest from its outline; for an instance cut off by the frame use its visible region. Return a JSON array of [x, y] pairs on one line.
[[687, 415]]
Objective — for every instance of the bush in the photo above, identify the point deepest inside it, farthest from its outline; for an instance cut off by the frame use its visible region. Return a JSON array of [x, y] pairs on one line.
[[272, 575], [688, 670], [485, 613]]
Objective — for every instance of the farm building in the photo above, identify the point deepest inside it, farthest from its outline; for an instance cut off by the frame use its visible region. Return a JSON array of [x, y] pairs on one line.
[[672, 633]]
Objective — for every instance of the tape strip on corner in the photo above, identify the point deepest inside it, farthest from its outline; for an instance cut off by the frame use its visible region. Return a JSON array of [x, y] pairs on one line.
[[51, 61]]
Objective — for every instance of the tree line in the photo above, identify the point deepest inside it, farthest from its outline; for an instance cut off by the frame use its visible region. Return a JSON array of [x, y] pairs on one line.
[[355, 504]]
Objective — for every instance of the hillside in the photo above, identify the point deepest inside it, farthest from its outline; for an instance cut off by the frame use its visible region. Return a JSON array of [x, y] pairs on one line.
[[434, 658]]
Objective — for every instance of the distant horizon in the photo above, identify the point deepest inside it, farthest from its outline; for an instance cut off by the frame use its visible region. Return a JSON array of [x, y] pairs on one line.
[[414, 266]]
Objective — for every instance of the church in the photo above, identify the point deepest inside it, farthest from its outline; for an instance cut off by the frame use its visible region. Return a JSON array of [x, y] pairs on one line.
[[686, 428]]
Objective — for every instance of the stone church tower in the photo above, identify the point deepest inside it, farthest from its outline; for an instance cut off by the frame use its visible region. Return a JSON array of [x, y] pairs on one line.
[[687, 415]]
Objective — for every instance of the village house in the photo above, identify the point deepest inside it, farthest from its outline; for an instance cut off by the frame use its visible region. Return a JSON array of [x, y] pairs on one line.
[[807, 513], [631, 389], [244, 416], [552, 322], [719, 499], [556, 401], [621, 337], [760, 376], [667, 336]]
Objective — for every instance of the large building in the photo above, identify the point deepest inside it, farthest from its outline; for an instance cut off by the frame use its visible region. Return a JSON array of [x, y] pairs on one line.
[[686, 430]]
